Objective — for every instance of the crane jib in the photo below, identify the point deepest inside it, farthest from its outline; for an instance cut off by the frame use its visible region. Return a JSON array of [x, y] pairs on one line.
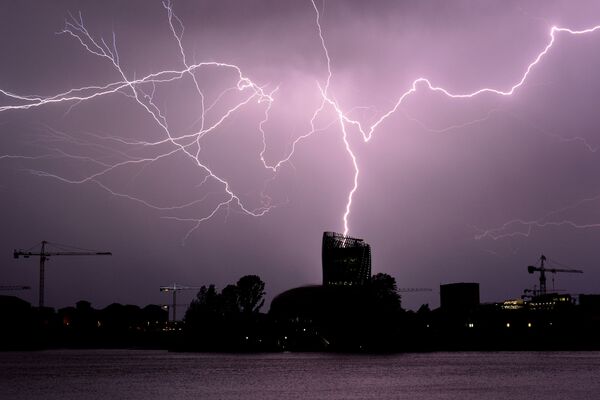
[[43, 254]]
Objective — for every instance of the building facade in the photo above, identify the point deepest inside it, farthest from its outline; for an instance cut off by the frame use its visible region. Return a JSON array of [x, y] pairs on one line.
[[346, 260]]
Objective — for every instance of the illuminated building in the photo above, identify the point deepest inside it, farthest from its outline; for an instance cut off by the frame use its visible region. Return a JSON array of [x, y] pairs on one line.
[[551, 301], [513, 304], [346, 260]]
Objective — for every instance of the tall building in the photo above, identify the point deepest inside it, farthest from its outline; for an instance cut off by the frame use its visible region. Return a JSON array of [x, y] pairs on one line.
[[346, 260]]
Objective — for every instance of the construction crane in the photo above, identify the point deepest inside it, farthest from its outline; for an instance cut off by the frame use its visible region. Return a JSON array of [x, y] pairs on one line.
[[176, 288], [44, 255], [542, 270], [403, 290]]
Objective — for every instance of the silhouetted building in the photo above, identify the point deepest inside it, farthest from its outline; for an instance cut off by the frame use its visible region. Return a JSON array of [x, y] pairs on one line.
[[13, 310], [459, 297], [301, 302], [590, 301], [346, 260]]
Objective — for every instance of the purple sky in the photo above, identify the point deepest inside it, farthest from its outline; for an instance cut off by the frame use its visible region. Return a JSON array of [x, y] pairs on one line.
[[440, 180]]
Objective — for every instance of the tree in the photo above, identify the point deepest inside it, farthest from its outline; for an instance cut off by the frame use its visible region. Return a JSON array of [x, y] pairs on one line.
[[208, 299], [230, 302], [385, 291], [250, 290], [424, 309], [206, 302], [228, 319]]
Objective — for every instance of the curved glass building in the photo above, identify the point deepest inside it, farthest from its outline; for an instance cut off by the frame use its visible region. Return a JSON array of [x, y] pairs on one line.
[[346, 260]]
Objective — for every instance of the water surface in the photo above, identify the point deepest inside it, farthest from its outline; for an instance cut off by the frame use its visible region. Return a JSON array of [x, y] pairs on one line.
[[147, 375]]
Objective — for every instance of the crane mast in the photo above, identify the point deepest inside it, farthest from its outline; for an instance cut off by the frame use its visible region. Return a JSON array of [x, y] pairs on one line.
[[175, 288], [43, 254]]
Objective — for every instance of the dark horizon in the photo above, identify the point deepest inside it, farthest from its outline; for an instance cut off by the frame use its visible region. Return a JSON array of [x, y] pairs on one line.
[[346, 314], [449, 189]]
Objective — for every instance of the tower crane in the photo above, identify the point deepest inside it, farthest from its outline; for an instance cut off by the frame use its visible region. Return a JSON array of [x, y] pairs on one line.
[[45, 254], [542, 270], [404, 290], [176, 288], [19, 287]]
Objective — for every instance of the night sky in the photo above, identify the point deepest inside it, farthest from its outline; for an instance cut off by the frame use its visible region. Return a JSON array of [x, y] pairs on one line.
[[449, 189]]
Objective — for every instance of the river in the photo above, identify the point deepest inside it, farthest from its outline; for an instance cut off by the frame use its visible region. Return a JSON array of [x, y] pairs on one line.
[[147, 375]]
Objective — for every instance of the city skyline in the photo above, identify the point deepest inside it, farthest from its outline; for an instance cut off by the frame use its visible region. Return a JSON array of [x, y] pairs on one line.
[[212, 141]]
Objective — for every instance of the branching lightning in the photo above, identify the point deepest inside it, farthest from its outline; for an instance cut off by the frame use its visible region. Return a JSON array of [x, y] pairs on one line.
[[133, 88], [367, 132], [511, 228], [142, 92]]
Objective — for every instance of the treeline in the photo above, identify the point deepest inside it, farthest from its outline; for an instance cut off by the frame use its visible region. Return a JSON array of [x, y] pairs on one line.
[[229, 320], [366, 318], [314, 318], [115, 326], [370, 318]]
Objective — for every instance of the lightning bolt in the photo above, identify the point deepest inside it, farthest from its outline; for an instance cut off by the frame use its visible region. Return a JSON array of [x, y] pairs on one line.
[[188, 144], [510, 228], [133, 88], [368, 132]]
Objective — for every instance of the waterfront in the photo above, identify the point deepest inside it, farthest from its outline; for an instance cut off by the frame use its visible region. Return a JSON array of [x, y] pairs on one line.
[[132, 374]]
